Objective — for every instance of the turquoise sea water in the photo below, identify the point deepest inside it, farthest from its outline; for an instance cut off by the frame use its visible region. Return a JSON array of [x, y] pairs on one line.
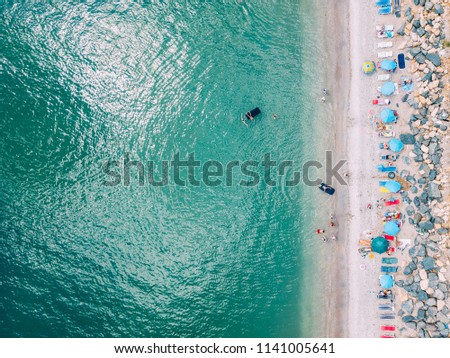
[[83, 84]]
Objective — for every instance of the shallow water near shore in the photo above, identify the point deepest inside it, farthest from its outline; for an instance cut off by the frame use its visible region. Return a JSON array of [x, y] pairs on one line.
[[84, 84]]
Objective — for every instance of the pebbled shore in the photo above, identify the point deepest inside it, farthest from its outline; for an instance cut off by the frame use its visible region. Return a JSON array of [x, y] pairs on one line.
[[425, 273]]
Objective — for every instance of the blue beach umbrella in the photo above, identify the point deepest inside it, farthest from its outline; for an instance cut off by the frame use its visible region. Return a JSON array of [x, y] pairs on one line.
[[393, 186], [388, 88], [388, 65], [391, 228], [387, 115], [396, 145], [386, 281]]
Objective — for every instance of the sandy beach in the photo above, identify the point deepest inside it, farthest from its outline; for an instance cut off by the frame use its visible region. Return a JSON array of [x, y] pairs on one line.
[[353, 306]]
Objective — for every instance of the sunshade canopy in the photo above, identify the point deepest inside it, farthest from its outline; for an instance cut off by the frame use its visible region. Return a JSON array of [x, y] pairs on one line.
[[396, 145], [387, 115], [391, 228], [388, 65], [393, 186], [368, 67], [379, 245], [388, 88], [386, 281]]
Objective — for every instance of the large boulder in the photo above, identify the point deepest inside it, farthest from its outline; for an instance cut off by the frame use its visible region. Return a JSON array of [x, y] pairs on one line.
[[433, 191], [420, 58], [428, 263], [421, 32], [422, 296], [408, 306], [407, 138], [401, 30], [408, 318], [439, 295], [426, 226], [438, 9], [434, 58]]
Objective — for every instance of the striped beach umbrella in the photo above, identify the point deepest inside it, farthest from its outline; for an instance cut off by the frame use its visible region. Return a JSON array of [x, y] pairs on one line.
[[368, 67]]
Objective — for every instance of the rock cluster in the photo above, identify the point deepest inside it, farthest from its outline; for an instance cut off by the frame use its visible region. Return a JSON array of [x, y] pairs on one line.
[[426, 311]]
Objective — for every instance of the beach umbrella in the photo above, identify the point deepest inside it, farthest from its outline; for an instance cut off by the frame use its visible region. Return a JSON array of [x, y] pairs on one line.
[[379, 245], [386, 281], [391, 228], [387, 115], [396, 145], [388, 88], [393, 186], [368, 67], [388, 65]]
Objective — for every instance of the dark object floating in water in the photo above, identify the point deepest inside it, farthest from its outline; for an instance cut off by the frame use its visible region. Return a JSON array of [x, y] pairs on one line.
[[401, 61], [253, 113], [327, 189]]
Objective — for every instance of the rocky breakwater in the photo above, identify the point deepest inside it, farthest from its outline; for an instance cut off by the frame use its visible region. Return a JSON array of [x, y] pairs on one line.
[[425, 276]]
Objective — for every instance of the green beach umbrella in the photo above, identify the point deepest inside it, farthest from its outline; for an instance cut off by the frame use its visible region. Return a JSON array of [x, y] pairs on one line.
[[379, 245]]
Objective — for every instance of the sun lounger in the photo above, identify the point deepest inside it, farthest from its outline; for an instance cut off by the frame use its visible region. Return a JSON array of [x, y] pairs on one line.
[[383, 169], [389, 237], [385, 10], [384, 27], [384, 294], [381, 101], [385, 307], [379, 3], [388, 328], [404, 243], [384, 44], [389, 260], [385, 34], [387, 316], [401, 61], [389, 269], [385, 77], [392, 202], [385, 54]]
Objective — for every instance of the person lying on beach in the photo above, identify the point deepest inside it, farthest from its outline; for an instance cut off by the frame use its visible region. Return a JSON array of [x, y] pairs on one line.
[[320, 231], [323, 99], [333, 238], [324, 238]]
